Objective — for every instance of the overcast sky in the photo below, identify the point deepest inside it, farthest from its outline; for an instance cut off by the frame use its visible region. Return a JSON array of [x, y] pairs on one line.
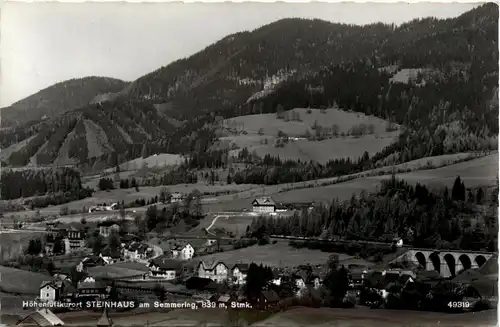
[[46, 43]]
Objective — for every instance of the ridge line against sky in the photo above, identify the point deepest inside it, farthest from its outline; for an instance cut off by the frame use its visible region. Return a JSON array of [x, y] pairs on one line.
[[47, 43]]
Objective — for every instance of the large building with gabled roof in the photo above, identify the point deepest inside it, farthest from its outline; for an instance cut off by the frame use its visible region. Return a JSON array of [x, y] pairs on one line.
[[264, 205]]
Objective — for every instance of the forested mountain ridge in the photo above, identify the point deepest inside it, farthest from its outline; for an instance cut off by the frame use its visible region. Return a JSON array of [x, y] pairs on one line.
[[230, 71], [451, 104], [227, 73], [58, 98], [100, 134]]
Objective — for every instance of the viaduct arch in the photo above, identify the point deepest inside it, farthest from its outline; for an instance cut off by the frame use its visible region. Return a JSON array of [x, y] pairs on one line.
[[448, 263]]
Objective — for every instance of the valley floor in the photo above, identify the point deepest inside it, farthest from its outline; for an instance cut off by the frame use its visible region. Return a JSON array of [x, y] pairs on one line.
[[295, 317]]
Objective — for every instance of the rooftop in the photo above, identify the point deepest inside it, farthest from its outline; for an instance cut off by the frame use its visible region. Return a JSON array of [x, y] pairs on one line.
[[163, 262], [264, 201], [43, 317]]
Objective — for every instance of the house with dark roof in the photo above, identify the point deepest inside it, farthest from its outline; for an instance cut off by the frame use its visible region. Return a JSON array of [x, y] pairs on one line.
[[267, 299], [239, 273], [107, 227], [180, 250], [129, 238], [263, 205], [137, 251], [216, 271], [93, 261], [94, 290], [165, 267], [43, 317], [226, 299]]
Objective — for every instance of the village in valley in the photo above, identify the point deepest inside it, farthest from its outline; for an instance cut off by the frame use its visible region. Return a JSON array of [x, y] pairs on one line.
[[117, 264]]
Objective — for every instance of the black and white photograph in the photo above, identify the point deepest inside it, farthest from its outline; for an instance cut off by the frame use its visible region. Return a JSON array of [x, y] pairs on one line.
[[249, 164]]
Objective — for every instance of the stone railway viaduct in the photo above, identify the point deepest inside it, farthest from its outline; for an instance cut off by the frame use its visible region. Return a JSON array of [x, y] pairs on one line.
[[447, 262]]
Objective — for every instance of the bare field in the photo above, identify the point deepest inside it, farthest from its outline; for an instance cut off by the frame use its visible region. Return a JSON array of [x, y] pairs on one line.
[[474, 173], [236, 224], [279, 254], [270, 125], [266, 126], [129, 195], [20, 281], [329, 149], [113, 271], [13, 244], [294, 317], [362, 317]]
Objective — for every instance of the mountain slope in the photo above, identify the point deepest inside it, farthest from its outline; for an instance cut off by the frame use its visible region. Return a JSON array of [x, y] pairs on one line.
[[228, 72], [103, 135], [58, 98], [449, 106]]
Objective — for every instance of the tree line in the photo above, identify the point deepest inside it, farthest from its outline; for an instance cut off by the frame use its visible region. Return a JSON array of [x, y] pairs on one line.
[[423, 218], [36, 182], [273, 170]]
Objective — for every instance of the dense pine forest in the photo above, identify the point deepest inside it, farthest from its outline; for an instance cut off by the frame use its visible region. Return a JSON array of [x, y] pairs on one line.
[[461, 218], [47, 186]]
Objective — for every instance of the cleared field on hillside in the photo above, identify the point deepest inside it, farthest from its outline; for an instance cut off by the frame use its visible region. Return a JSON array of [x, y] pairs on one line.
[[5, 153], [20, 281], [270, 125], [264, 127], [474, 173], [158, 160], [323, 151], [236, 224], [243, 199], [276, 255], [112, 271], [405, 74], [13, 244]]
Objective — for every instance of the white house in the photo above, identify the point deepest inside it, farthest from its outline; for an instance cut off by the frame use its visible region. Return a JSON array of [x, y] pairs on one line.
[[166, 268], [316, 282], [239, 273], [74, 240], [88, 279], [217, 272], [264, 205], [48, 291], [181, 250], [300, 284], [276, 277], [55, 290]]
